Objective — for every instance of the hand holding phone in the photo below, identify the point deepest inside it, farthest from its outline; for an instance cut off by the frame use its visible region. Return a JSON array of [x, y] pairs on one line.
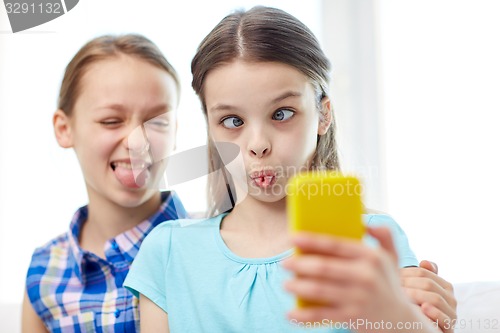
[[326, 203]]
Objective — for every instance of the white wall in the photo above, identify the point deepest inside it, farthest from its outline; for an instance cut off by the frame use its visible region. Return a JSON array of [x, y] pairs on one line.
[[415, 86], [440, 75]]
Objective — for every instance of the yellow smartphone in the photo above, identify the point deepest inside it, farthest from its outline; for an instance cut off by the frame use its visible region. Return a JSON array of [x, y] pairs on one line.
[[327, 203]]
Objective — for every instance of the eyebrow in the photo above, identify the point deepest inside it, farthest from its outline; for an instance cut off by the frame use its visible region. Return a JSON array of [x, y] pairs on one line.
[[285, 95], [222, 107], [121, 108]]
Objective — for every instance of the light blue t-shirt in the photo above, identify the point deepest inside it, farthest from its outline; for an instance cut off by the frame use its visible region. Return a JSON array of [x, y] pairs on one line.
[[187, 270]]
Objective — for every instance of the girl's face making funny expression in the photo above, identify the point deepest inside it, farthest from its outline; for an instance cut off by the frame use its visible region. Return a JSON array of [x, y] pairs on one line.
[[270, 111], [123, 124]]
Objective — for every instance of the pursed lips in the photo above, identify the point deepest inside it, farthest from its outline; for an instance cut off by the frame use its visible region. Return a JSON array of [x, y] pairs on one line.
[[263, 178]]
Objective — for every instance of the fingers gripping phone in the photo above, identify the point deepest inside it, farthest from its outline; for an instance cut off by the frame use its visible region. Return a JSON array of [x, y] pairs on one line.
[[326, 203]]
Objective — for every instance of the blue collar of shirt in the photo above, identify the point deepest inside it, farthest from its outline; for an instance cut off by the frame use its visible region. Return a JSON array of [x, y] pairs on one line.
[[121, 250]]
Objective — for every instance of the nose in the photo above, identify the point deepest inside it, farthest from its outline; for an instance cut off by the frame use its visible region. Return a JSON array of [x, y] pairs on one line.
[[137, 140], [259, 145], [259, 152]]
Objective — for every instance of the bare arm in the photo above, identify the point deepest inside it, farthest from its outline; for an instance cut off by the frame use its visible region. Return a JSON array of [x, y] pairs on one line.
[[30, 322], [153, 318]]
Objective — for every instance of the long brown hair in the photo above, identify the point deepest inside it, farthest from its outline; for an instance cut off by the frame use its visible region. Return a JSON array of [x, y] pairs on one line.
[[263, 34], [105, 47]]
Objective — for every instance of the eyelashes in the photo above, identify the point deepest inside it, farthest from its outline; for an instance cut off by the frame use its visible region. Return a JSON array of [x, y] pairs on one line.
[[156, 123], [283, 114], [231, 122]]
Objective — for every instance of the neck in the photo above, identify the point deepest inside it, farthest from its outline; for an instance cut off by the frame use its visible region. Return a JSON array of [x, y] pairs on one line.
[[257, 217], [256, 229], [106, 219]]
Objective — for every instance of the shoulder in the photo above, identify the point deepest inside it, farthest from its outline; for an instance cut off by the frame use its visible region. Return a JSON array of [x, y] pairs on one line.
[[59, 244], [405, 253], [49, 259], [181, 230], [189, 224], [385, 220], [377, 218]]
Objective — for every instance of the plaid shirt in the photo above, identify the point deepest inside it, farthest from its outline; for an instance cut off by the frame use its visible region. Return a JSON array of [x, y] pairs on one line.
[[73, 290]]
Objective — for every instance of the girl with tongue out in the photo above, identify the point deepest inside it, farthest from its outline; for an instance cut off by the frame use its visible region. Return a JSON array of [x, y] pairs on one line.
[[263, 84], [117, 110]]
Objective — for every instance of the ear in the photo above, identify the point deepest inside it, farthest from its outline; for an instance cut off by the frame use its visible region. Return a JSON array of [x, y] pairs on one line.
[[326, 116], [62, 129]]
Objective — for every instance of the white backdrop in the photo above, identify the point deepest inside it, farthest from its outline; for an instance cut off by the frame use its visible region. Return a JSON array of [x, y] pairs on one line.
[[440, 73]]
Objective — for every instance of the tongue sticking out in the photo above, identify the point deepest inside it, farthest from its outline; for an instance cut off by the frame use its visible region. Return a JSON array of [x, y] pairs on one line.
[[131, 178]]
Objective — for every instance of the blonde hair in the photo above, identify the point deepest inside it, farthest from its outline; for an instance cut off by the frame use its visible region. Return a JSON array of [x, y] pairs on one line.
[[102, 48], [263, 34]]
